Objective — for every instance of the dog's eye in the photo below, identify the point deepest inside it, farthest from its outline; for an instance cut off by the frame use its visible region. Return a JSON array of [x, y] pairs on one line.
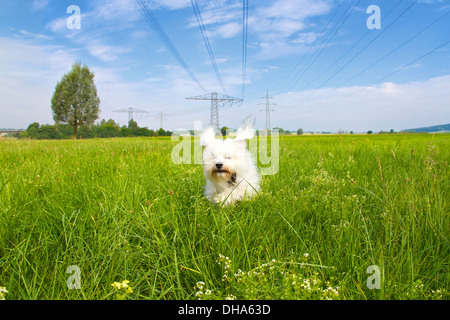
[[227, 157]]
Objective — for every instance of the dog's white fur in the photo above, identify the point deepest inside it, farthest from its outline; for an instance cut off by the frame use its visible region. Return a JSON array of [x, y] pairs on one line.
[[237, 178]]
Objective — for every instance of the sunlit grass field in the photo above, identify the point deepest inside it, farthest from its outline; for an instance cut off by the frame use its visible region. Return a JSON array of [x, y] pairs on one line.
[[120, 209]]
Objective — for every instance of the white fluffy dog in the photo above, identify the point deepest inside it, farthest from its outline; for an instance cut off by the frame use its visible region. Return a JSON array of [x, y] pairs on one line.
[[229, 168]]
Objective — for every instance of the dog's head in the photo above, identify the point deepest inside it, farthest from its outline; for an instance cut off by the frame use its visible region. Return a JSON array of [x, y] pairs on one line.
[[224, 159]]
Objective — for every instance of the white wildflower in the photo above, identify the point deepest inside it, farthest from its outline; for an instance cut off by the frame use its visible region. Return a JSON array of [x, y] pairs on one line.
[[3, 293], [200, 285]]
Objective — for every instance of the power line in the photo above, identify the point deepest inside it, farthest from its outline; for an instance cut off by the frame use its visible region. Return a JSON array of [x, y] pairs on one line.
[[206, 41], [360, 51], [130, 112], [190, 111], [153, 22], [311, 47], [356, 43], [324, 45], [397, 48], [352, 47], [382, 78], [412, 62]]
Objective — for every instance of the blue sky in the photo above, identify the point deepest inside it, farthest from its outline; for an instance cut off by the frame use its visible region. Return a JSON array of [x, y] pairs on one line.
[[317, 58]]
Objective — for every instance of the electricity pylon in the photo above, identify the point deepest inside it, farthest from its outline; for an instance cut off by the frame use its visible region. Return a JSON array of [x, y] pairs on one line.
[[215, 98], [130, 111], [267, 110], [161, 118]]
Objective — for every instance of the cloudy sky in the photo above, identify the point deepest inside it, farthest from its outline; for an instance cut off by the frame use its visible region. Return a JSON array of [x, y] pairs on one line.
[[323, 67]]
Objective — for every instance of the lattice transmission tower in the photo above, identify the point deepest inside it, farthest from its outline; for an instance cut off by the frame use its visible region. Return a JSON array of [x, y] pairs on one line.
[[267, 110], [215, 99], [130, 112], [161, 117]]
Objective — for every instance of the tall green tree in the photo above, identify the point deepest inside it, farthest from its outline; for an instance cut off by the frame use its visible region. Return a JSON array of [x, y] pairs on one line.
[[33, 130], [75, 100], [108, 129]]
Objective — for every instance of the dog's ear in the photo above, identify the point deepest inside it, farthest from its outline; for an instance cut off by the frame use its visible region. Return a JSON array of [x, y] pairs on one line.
[[247, 129], [207, 136]]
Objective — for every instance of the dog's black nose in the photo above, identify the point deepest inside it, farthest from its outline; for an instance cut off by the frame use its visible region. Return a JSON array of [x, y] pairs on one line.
[[219, 165]]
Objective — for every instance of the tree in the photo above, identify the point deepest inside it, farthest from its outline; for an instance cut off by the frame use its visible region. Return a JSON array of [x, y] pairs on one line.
[[280, 130], [33, 130], [300, 132], [85, 131], [125, 131], [108, 129], [47, 131], [161, 132], [75, 100], [133, 126], [64, 131]]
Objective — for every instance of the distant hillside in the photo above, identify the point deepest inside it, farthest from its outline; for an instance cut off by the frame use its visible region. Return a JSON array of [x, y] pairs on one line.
[[439, 128]]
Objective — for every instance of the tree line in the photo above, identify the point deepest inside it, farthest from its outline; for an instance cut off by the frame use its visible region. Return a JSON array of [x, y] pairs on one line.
[[103, 129], [75, 107]]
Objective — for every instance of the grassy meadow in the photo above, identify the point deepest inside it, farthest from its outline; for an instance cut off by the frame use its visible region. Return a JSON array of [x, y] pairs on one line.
[[121, 210]]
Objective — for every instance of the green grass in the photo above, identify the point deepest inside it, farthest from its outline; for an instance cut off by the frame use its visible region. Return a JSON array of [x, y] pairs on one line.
[[119, 209]]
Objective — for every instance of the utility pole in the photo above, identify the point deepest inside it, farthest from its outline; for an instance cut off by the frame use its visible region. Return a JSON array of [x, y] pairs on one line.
[[215, 98], [130, 111], [161, 117], [267, 110]]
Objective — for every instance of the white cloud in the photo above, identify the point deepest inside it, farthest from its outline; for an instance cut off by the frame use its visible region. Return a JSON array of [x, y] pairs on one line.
[[113, 11], [280, 16], [105, 52], [228, 30], [27, 80], [283, 48], [139, 35], [92, 41], [31, 35], [39, 4], [171, 4], [106, 18], [378, 107], [104, 15], [58, 25], [213, 14], [306, 38], [299, 9], [286, 18], [283, 25], [280, 23]]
